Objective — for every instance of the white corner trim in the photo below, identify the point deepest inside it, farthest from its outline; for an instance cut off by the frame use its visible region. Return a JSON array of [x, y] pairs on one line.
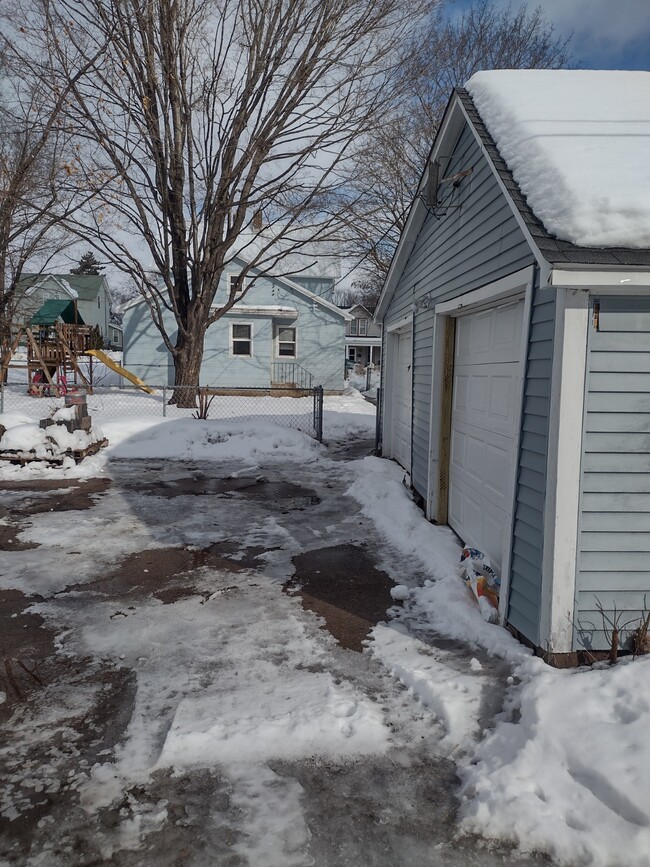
[[404, 322], [435, 417], [506, 563], [620, 279], [506, 287], [563, 471]]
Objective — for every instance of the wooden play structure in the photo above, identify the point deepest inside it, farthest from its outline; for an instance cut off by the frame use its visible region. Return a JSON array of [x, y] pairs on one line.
[[55, 338]]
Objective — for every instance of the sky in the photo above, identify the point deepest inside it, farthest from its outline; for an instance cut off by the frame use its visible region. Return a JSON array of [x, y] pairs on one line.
[[607, 34]]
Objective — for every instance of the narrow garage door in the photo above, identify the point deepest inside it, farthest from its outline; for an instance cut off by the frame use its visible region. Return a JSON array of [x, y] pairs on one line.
[[484, 426], [401, 425]]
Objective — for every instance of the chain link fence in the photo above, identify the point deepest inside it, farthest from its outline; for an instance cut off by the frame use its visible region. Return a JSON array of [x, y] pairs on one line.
[[301, 409]]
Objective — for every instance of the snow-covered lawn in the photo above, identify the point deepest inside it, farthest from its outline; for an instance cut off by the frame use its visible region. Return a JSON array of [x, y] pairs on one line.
[[235, 678]]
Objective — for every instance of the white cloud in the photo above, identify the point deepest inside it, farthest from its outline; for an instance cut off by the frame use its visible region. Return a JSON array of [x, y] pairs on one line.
[[612, 23]]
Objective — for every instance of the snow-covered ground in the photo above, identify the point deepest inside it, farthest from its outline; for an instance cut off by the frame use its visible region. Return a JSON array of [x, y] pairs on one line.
[[236, 678]]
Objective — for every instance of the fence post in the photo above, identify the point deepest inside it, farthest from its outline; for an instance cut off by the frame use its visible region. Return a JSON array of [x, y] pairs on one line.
[[164, 401], [369, 371], [378, 423], [318, 396]]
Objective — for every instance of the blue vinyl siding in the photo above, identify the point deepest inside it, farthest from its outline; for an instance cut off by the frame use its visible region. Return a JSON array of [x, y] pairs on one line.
[[614, 528], [320, 341], [528, 531], [471, 244]]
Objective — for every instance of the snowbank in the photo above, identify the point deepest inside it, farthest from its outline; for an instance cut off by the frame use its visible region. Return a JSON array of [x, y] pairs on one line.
[[566, 768], [577, 143]]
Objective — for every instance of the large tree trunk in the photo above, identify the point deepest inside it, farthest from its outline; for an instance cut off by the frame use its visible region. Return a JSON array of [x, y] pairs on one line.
[[187, 366]]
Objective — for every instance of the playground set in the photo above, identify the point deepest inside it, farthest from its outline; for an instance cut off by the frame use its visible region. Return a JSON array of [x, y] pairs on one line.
[[55, 339]]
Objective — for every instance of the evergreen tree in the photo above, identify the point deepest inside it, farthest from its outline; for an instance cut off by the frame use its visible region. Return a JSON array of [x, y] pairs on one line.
[[88, 264]]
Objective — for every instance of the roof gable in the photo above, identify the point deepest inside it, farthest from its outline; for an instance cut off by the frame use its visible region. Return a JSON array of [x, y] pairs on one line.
[[86, 287], [286, 282]]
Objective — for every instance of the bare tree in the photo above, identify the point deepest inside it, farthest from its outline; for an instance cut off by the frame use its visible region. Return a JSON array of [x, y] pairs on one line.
[[444, 55], [204, 116], [32, 166]]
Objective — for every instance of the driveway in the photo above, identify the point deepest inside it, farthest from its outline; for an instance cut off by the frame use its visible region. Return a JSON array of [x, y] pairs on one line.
[[187, 679]]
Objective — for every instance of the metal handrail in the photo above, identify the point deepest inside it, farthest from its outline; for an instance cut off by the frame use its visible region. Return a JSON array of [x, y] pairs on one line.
[[291, 373]]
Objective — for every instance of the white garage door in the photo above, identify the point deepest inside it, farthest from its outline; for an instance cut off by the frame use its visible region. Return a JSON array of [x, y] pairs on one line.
[[401, 403], [484, 426]]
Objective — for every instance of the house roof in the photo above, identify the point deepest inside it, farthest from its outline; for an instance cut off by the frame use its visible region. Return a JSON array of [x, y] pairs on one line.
[[295, 287], [576, 142], [555, 251], [86, 287], [54, 310]]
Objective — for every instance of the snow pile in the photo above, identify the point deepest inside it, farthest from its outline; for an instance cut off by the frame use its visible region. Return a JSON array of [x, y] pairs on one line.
[[308, 716], [565, 770], [51, 443], [348, 415], [571, 776], [453, 696], [577, 143]]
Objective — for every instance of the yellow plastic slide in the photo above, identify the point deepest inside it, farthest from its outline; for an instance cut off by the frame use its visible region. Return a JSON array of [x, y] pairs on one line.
[[108, 361]]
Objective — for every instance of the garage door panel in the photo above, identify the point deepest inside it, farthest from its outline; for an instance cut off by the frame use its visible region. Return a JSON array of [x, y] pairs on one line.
[[491, 336], [402, 401], [487, 399], [484, 426]]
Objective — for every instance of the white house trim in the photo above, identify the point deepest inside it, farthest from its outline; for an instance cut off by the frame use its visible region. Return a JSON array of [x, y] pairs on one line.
[[622, 280], [400, 325], [506, 287], [561, 513]]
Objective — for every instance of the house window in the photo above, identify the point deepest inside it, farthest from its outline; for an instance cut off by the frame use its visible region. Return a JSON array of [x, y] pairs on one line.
[[363, 327], [235, 283], [353, 328], [241, 340], [287, 342]]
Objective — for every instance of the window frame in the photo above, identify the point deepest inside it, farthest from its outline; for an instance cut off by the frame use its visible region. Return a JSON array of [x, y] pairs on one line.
[[231, 346], [231, 278], [353, 327], [363, 327], [277, 342]]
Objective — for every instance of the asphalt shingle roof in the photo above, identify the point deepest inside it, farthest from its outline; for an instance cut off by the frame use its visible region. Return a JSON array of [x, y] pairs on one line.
[[554, 250]]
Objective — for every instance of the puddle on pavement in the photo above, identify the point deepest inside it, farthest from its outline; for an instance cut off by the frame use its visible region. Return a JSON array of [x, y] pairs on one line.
[[286, 495], [163, 572], [25, 642], [343, 585], [351, 451]]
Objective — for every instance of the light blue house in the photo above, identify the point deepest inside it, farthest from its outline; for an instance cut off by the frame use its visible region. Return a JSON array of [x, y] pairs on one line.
[[280, 334], [517, 360]]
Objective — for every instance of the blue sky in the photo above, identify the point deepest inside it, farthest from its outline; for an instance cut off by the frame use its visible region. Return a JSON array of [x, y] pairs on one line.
[[607, 34]]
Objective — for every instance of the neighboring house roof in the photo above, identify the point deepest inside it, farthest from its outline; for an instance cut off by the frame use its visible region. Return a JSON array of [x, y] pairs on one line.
[[54, 310], [545, 245], [358, 307], [300, 290], [86, 287]]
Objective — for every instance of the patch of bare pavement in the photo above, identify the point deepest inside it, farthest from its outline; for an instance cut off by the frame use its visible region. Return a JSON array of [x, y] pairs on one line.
[[196, 547]]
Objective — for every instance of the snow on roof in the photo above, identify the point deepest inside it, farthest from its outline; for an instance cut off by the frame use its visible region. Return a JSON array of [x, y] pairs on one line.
[[578, 145]]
